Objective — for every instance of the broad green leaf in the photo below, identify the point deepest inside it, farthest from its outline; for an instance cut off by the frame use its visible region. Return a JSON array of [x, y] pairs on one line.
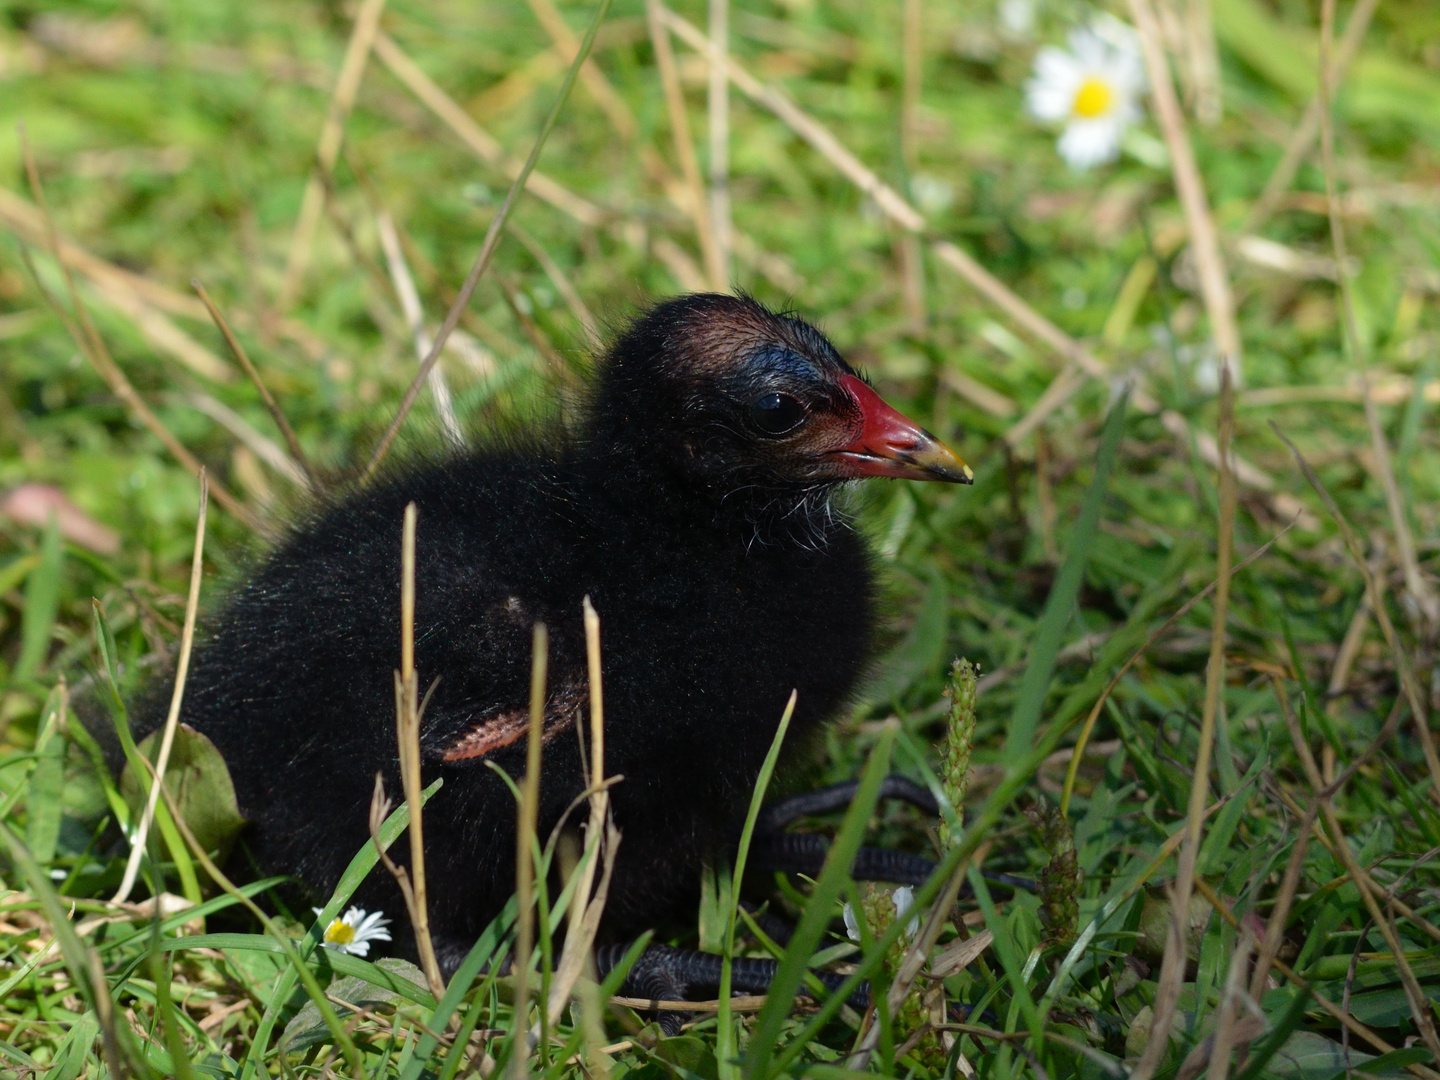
[[120, 716], [307, 1027], [44, 794], [198, 778], [42, 602]]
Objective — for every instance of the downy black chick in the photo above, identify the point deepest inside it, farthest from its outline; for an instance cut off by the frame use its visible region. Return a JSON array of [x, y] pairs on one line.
[[693, 508]]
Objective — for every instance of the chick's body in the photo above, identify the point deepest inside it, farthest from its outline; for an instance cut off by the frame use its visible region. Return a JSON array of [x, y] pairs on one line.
[[693, 508], [705, 635]]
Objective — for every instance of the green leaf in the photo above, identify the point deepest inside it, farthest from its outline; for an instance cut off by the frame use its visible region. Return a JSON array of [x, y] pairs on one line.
[[1308, 1055], [725, 1044], [72, 1054], [44, 793], [307, 1027], [120, 716], [16, 570], [1392, 1064], [198, 778], [42, 602], [1277, 1040], [82, 738], [1010, 958], [689, 1053], [715, 892]]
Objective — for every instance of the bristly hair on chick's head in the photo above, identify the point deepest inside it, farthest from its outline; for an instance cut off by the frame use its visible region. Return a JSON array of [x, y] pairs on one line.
[[732, 395]]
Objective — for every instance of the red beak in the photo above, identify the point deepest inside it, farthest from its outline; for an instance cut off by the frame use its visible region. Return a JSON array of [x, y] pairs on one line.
[[891, 444]]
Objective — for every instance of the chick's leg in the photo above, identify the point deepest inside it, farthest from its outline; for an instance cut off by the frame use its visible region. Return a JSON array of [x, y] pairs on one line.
[[662, 973]]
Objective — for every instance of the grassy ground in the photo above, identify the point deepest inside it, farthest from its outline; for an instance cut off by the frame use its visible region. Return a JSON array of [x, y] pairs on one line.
[[175, 142]]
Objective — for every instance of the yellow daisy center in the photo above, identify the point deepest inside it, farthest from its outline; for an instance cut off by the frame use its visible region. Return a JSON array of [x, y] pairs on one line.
[[339, 932], [1094, 98]]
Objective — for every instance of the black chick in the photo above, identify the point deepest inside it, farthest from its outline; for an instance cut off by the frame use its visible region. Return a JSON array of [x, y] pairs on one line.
[[694, 508]]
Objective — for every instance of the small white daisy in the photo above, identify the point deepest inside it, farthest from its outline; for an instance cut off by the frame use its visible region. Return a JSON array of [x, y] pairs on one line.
[[852, 922], [904, 898], [1093, 88], [353, 931]]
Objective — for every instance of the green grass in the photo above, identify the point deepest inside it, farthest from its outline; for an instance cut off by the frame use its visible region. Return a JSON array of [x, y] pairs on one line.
[[174, 142]]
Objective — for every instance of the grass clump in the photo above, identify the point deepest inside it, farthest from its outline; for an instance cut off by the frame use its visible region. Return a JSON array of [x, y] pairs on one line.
[[1059, 327]]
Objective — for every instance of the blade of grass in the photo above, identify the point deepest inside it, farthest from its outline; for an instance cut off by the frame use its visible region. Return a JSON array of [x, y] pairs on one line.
[[172, 718], [725, 1048], [1303, 137], [243, 359], [1172, 969], [699, 206], [410, 306], [604, 991], [408, 736], [1072, 770], [717, 100], [312, 986], [978, 829], [1420, 1008], [171, 1032], [92, 347], [42, 603], [1117, 898], [598, 87], [1415, 583], [1060, 604], [476, 139], [44, 786], [583, 913], [190, 914], [487, 248], [1010, 961], [120, 717], [1190, 187], [339, 962], [332, 133], [525, 828], [1344, 1018], [79, 961], [1374, 591], [361, 865], [563, 285], [486, 948], [829, 888]]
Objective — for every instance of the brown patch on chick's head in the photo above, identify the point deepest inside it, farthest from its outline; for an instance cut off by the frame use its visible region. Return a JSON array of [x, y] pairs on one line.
[[760, 398]]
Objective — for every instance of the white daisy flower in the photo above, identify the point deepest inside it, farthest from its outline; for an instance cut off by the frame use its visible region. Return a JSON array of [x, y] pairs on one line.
[[353, 931], [1093, 88], [852, 923], [904, 899]]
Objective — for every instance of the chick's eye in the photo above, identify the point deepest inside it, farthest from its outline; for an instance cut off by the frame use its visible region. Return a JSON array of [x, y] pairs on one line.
[[775, 414]]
